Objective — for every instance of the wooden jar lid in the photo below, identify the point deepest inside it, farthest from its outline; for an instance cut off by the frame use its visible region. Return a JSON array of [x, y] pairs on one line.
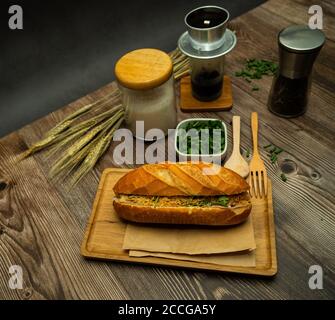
[[143, 69]]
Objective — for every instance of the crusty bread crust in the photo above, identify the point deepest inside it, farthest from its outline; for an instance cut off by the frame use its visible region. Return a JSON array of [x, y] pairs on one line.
[[210, 216], [180, 179]]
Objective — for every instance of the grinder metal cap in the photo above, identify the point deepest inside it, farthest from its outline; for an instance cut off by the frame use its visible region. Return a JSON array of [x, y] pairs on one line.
[[301, 39], [299, 46]]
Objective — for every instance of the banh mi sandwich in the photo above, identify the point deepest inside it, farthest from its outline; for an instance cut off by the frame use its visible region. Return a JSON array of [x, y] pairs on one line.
[[182, 193]]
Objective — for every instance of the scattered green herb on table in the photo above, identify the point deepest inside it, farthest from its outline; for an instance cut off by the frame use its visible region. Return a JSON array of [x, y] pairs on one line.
[[211, 125], [248, 153], [283, 177], [255, 69], [273, 152]]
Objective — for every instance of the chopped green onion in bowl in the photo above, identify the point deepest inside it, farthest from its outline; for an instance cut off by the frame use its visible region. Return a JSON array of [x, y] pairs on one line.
[[201, 137]]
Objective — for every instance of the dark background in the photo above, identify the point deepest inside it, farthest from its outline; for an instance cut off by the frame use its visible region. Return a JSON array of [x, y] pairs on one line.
[[68, 49]]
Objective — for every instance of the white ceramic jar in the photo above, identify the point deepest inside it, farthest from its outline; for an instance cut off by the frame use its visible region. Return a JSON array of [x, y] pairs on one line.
[[145, 78]]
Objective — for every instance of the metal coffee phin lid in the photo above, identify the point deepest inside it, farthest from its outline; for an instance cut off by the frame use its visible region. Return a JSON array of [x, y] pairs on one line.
[[301, 39], [207, 35]]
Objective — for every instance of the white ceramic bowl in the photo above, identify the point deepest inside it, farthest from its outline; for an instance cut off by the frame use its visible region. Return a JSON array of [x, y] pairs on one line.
[[202, 157]]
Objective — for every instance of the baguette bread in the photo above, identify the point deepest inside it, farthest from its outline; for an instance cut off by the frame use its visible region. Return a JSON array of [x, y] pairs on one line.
[[181, 179], [181, 193]]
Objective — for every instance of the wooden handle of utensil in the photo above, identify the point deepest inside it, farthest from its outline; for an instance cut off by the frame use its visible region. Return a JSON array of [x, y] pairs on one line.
[[254, 128], [236, 133]]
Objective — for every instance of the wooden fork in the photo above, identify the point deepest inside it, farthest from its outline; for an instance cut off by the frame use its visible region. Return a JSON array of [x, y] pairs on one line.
[[258, 178]]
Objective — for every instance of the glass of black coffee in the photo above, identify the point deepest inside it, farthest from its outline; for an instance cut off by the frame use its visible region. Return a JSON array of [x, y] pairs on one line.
[[207, 78]]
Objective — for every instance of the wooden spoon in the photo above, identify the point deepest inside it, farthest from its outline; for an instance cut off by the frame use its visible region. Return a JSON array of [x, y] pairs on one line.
[[236, 162]]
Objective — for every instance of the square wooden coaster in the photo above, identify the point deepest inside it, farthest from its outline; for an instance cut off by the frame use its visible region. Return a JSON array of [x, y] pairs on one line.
[[190, 104]]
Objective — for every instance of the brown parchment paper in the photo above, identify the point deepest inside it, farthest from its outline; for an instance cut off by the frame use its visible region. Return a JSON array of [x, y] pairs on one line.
[[190, 240], [243, 259]]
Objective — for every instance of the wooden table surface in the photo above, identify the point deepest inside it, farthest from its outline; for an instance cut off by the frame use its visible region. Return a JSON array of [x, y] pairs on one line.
[[42, 225]]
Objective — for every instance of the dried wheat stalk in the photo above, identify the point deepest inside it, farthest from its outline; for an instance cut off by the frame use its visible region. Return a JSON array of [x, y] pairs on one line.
[[181, 64], [95, 153], [56, 133], [63, 162], [71, 135]]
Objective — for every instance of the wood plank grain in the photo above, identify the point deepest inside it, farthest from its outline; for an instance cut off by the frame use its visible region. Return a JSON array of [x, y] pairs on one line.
[[243, 99], [40, 232]]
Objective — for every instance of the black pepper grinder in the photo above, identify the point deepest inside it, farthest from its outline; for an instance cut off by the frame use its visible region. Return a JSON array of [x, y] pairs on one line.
[[299, 46]]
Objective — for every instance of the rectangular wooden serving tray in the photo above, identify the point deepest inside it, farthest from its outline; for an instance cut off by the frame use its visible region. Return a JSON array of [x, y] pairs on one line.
[[105, 233]]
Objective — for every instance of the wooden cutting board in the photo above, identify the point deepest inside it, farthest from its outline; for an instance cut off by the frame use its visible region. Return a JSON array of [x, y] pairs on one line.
[[105, 233]]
